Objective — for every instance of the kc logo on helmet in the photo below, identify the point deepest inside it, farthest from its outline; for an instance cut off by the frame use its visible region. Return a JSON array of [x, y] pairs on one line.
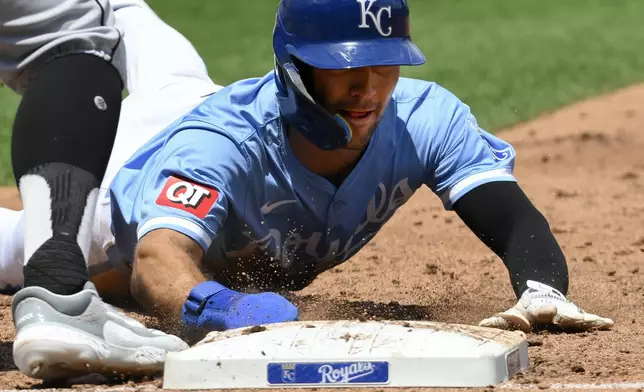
[[365, 11], [188, 196]]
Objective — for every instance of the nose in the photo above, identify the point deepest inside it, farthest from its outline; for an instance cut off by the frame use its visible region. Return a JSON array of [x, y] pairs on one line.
[[363, 83]]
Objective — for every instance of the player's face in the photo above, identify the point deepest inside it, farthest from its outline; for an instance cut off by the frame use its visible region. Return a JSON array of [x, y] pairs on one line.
[[359, 95]]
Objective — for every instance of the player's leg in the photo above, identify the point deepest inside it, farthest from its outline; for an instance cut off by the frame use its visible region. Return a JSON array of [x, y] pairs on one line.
[[157, 54], [58, 54], [166, 78], [11, 241], [109, 284], [11, 250], [108, 277], [157, 98]]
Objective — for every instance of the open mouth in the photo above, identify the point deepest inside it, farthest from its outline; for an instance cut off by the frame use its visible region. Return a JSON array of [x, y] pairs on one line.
[[355, 114]]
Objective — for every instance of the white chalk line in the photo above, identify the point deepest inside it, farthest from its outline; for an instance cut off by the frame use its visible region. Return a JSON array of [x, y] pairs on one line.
[[616, 385]]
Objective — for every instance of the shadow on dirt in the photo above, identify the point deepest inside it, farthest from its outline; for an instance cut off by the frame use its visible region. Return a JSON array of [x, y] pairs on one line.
[[557, 330], [86, 382], [321, 308], [6, 356], [89, 381]]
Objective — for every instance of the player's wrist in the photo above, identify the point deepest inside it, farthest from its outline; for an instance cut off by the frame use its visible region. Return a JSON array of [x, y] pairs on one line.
[[198, 298]]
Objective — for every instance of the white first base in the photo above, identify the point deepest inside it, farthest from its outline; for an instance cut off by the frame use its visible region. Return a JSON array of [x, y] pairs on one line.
[[349, 353]]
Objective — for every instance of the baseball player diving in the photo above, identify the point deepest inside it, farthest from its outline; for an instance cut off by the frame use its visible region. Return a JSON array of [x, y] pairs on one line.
[[216, 199]]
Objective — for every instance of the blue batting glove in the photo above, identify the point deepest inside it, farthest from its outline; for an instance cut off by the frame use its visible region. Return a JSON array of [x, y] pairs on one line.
[[213, 306]]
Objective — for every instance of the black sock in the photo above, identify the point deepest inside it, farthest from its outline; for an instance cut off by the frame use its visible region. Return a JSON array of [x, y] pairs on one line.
[[62, 139]]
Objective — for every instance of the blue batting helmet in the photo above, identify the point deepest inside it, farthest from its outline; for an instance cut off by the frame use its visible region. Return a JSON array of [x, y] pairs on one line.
[[335, 34]]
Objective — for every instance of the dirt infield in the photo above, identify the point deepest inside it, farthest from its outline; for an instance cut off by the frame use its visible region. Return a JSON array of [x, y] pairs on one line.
[[583, 166]]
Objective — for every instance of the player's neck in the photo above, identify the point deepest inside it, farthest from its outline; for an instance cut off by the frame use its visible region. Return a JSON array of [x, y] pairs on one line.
[[334, 164]]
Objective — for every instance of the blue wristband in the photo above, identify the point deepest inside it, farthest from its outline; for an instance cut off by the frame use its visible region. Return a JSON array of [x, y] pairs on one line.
[[197, 299]]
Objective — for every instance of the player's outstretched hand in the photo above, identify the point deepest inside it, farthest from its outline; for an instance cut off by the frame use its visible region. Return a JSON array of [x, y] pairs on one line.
[[214, 307], [541, 304]]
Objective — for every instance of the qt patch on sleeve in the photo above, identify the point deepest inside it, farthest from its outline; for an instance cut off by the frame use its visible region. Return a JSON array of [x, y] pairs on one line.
[[186, 195]]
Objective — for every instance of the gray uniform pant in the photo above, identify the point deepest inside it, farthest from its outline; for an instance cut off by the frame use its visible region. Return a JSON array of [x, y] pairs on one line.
[[33, 32]]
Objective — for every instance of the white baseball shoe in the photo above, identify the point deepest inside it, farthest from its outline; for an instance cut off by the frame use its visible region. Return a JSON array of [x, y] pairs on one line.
[[67, 336]]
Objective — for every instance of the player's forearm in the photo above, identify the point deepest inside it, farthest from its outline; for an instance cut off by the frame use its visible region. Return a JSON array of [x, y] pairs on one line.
[[508, 223], [165, 270]]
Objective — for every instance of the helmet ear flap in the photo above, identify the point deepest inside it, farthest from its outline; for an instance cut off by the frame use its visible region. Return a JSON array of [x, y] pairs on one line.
[[299, 109], [306, 74], [304, 71]]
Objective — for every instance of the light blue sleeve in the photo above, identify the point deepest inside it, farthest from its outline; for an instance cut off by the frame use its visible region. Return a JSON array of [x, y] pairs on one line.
[[459, 154], [191, 184]]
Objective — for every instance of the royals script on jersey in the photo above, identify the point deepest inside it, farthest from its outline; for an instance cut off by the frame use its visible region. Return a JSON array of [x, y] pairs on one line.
[[225, 176]]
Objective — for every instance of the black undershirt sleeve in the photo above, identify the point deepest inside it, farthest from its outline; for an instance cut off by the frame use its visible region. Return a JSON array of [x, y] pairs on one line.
[[503, 217]]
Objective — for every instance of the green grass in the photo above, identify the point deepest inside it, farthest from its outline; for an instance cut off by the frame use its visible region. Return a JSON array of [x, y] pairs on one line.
[[509, 60], [8, 105]]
